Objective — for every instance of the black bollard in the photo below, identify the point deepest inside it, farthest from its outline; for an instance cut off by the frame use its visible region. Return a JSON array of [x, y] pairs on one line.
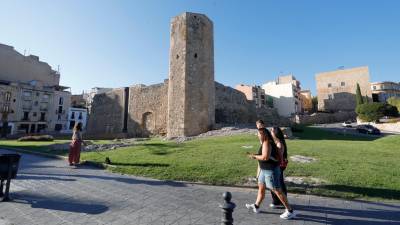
[[227, 209]]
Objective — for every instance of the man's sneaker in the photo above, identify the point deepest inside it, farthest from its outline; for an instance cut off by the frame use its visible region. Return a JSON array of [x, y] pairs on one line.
[[288, 215], [252, 207]]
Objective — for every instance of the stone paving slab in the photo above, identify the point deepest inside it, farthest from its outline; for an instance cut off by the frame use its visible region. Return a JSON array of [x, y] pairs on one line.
[[49, 192]]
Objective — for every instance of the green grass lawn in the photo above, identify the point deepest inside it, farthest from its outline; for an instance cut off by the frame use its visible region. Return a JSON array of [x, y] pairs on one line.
[[353, 167]]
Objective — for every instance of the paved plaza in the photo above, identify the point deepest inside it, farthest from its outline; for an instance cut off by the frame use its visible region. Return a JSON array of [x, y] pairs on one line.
[[49, 192]]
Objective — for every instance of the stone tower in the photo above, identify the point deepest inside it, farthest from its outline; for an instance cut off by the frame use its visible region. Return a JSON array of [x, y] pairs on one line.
[[191, 89]]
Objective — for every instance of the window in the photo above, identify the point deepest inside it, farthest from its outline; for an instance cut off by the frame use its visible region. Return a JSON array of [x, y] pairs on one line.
[[60, 109], [27, 94], [80, 115], [59, 117], [26, 116], [34, 114], [342, 84], [24, 127], [73, 115], [61, 101], [374, 87], [36, 103], [6, 108], [329, 85], [71, 125], [330, 97], [42, 116], [8, 96]]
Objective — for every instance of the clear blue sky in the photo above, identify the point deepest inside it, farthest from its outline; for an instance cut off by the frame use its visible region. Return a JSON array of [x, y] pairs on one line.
[[120, 43]]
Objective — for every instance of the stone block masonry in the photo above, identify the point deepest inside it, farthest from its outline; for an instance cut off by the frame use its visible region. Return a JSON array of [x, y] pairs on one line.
[[191, 92], [188, 104]]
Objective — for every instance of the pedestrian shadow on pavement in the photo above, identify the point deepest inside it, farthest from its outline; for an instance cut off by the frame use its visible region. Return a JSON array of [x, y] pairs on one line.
[[379, 204], [60, 204], [336, 216]]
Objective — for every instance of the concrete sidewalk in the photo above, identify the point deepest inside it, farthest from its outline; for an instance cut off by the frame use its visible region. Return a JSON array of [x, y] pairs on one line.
[[49, 192]]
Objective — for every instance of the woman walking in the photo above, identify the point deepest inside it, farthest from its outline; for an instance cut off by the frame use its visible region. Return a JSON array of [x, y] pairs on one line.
[[75, 146], [280, 143], [269, 173]]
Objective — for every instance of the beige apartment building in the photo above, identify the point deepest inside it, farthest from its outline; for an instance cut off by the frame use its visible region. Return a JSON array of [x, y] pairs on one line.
[[336, 89], [253, 93], [31, 99], [382, 91]]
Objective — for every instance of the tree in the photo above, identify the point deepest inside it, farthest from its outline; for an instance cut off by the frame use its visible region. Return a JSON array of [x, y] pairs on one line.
[[395, 101], [314, 102], [366, 99], [359, 98]]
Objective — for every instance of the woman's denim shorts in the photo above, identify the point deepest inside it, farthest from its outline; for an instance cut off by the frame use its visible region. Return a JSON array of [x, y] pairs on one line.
[[271, 178]]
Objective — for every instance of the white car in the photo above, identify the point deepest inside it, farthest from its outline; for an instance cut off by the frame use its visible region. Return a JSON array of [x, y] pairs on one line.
[[346, 124]]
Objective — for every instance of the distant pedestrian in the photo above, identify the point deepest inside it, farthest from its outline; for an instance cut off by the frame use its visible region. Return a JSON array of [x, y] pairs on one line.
[[280, 143], [75, 146], [269, 173]]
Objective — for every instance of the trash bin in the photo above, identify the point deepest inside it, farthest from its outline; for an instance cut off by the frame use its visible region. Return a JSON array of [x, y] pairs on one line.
[[8, 170]]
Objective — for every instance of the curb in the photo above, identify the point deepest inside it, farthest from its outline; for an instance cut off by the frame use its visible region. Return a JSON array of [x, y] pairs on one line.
[[34, 153]]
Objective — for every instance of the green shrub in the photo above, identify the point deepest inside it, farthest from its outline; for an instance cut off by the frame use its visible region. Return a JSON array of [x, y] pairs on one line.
[[390, 110], [395, 101], [37, 138], [371, 112]]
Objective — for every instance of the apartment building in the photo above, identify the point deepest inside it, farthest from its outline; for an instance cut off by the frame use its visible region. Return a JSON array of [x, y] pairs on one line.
[[254, 93], [76, 115], [382, 91], [30, 94], [285, 94], [336, 89]]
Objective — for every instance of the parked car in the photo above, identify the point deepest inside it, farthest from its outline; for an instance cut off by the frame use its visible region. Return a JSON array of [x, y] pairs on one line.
[[368, 129], [346, 124]]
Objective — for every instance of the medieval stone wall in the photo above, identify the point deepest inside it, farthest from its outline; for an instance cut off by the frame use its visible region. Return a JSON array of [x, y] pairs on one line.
[[232, 107], [321, 118], [148, 109], [107, 116]]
